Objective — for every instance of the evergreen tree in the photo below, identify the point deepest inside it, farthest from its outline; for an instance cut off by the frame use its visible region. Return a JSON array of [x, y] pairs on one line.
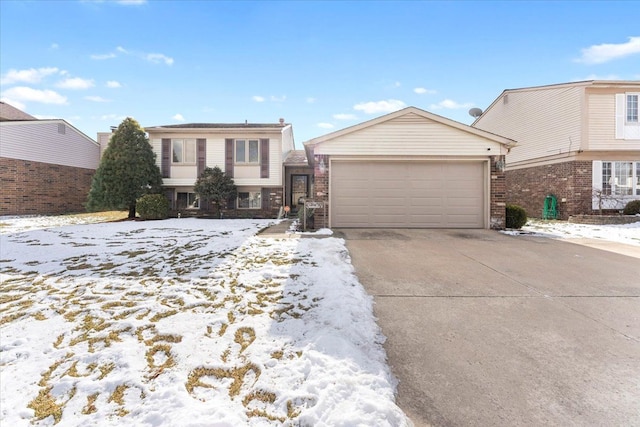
[[126, 172], [214, 185]]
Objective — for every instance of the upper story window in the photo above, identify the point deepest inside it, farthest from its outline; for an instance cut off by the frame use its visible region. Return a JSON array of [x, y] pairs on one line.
[[247, 151], [183, 151], [632, 108]]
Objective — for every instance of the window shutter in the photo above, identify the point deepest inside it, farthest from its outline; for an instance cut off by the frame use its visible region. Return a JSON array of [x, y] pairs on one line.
[[201, 152], [596, 181], [228, 157], [620, 118], [166, 158], [266, 202], [169, 193], [264, 158]]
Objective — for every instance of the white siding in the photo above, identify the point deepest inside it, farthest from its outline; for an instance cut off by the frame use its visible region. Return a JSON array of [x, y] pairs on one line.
[[543, 121], [603, 122], [40, 141], [156, 145], [215, 153], [409, 134], [287, 140]]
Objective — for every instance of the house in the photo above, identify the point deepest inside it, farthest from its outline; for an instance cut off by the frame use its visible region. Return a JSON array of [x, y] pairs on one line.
[[251, 153], [578, 142], [46, 166], [410, 169]]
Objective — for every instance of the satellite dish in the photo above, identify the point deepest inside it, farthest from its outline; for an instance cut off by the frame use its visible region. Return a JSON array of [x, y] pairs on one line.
[[475, 112]]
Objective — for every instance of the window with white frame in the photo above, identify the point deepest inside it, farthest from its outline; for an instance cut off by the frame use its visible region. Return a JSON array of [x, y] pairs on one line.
[[187, 201], [621, 178], [632, 108], [247, 151], [249, 200], [183, 151]]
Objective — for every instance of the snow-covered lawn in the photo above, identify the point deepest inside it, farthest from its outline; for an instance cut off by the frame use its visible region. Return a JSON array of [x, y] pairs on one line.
[[627, 233], [185, 322]]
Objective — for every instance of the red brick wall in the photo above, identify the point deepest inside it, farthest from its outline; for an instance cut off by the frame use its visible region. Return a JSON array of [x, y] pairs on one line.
[[528, 188], [497, 196], [30, 188], [321, 188]]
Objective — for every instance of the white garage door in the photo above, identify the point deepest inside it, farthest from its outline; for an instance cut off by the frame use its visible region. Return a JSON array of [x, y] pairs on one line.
[[407, 194]]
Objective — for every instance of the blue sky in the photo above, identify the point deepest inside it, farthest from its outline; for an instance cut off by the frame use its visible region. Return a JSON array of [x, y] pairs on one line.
[[322, 66]]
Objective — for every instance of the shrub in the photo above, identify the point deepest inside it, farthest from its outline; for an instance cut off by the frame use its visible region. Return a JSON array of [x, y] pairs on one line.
[[516, 216], [632, 208], [153, 206]]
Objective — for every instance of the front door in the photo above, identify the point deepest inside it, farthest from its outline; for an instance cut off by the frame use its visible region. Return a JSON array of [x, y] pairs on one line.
[[299, 189]]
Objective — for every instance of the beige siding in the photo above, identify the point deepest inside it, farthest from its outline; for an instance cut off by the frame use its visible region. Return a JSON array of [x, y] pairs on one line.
[[287, 140], [409, 134], [156, 146], [602, 123], [40, 141], [543, 121], [215, 152]]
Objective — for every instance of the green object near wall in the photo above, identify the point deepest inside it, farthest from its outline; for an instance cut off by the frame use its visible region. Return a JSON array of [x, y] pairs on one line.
[[550, 210]]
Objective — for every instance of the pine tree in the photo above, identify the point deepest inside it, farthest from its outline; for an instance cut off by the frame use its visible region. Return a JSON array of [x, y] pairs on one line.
[[214, 185], [126, 172]]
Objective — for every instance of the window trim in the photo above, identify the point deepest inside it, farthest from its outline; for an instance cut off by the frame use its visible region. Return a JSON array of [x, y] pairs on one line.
[[247, 151], [249, 192], [184, 151], [611, 166], [635, 122]]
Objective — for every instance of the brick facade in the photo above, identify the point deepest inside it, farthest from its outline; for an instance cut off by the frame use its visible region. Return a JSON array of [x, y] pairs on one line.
[[321, 187], [570, 182], [35, 188]]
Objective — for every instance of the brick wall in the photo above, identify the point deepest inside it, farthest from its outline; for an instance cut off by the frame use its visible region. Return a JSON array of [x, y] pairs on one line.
[[30, 188], [571, 181], [497, 197], [321, 188]]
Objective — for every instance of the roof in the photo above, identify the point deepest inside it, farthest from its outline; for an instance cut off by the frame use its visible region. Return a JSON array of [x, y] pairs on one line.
[[408, 110], [296, 158], [11, 113], [221, 126]]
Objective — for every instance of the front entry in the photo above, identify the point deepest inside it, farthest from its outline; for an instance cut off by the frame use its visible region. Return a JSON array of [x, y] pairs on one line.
[[299, 189]]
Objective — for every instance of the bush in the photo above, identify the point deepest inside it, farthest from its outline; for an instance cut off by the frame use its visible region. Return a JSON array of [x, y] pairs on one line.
[[632, 208], [153, 206], [516, 216]]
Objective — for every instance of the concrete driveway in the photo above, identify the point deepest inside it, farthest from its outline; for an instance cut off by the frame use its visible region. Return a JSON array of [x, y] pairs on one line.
[[485, 329]]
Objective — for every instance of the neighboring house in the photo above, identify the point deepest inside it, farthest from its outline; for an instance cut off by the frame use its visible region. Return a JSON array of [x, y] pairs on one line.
[[251, 153], [579, 142], [410, 169], [46, 166]]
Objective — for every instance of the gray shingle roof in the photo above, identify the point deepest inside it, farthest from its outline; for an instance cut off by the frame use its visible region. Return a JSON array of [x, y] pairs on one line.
[[222, 125]]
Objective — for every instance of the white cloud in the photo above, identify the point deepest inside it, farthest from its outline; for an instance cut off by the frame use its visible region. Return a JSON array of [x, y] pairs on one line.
[[75, 83], [157, 58], [278, 99], [96, 99], [600, 53], [257, 98], [54, 46], [32, 75], [26, 94], [178, 117], [599, 77], [122, 50], [113, 84], [131, 2], [325, 125], [449, 104], [374, 107], [311, 100], [345, 116], [103, 56], [112, 117], [424, 91]]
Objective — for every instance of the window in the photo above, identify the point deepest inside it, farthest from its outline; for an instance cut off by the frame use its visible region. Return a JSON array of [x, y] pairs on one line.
[[632, 108], [249, 200], [183, 151], [621, 178], [188, 201], [247, 151]]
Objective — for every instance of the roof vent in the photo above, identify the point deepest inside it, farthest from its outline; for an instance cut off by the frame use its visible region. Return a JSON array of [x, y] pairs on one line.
[[281, 121]]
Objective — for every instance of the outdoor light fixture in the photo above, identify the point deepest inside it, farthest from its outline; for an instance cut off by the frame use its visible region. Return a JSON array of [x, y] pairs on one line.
[[322, 166], [500, 165]]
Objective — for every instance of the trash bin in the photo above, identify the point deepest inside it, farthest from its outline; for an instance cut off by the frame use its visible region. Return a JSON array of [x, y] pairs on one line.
[[550, 210]]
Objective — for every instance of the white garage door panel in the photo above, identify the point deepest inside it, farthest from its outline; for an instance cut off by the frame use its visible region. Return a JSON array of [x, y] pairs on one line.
[[407, 194]]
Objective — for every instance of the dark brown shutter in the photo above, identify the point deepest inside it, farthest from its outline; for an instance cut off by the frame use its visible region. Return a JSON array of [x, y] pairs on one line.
[[169, 193], [228, 157], [201, 151], [266, 202], [166, 158], [264, 158]]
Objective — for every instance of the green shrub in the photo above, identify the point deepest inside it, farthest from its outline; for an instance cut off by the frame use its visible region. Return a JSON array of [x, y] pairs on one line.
[[516, 216], [153, 206], [632, 208]]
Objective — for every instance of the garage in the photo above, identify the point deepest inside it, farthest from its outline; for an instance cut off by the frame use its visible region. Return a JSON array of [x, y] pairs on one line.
[[408, 194], [409, 169]]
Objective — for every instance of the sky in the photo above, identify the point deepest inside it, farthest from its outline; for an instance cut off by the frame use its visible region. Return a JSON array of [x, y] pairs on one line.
[[322, 66]]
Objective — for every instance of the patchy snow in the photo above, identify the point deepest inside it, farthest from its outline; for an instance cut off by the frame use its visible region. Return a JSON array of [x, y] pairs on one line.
[[624, 233], [185, 322]]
